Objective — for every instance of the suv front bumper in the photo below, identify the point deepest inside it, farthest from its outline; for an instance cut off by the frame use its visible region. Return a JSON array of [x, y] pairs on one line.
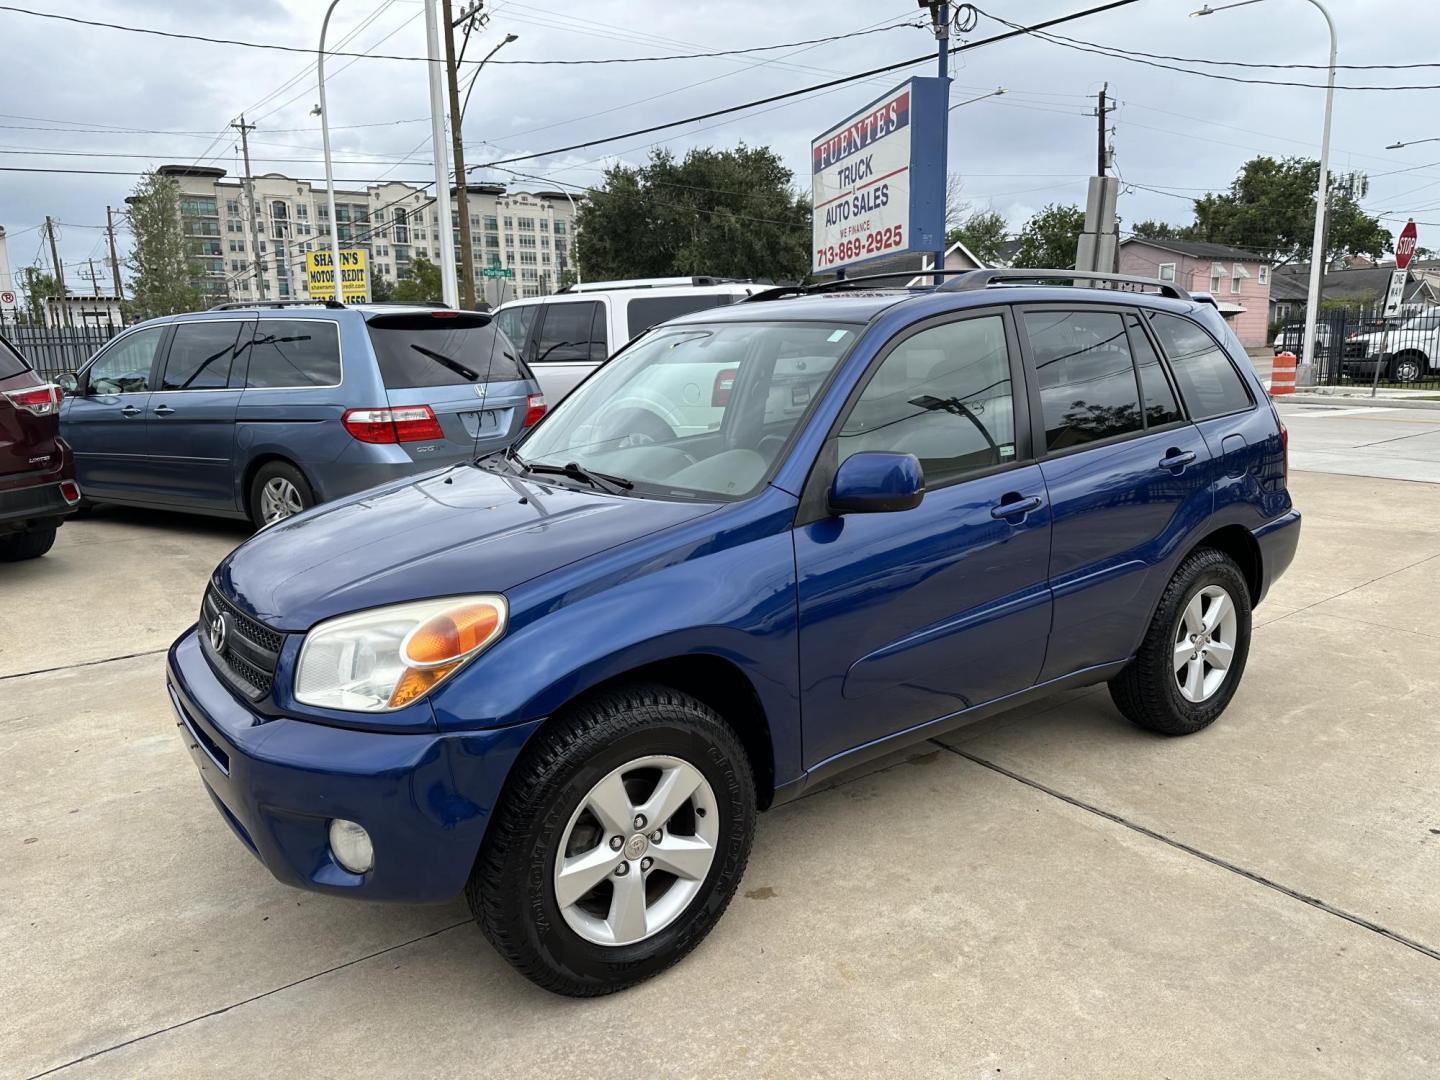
[[425, 799]]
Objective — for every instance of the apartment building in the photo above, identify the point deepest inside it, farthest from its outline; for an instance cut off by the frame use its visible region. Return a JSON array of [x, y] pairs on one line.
[[530, 232]]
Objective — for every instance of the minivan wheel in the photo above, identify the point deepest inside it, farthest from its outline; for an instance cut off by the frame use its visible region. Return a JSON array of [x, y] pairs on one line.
[[26, 545], [1193, 655], [278, 491], [622, 836]]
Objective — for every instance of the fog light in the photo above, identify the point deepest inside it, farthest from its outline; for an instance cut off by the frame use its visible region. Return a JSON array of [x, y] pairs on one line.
[[351, 846]]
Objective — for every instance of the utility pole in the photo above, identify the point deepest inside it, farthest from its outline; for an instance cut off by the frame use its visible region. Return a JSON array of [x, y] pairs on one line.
[[114, 258], [448, 284], [462, 200], [94, 278], [62, 317], [1100, 158], [254, 215]]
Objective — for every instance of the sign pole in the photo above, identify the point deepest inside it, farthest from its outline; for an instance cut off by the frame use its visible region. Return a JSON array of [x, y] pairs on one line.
[[1404, 252]]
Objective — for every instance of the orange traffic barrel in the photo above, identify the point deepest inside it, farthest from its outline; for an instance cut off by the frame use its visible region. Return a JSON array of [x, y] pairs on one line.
[[1282, 375]]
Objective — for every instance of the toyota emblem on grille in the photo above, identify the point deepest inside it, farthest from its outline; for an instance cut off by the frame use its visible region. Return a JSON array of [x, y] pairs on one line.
[[219, 631]]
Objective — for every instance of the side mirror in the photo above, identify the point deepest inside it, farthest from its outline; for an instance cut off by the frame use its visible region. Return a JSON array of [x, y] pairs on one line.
[[68, 382], [871, 483]]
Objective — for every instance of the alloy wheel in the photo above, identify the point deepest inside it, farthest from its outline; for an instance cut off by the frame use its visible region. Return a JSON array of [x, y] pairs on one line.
[[636, 851], [1205, 640], [279, 499]]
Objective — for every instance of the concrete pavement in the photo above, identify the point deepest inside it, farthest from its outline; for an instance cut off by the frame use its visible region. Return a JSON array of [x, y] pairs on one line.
[[1364, 440], [1050, 893]]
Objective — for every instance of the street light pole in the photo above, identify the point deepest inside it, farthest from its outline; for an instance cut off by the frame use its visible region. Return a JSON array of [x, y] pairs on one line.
[[448, 284], [329, 170], [1317, 246]]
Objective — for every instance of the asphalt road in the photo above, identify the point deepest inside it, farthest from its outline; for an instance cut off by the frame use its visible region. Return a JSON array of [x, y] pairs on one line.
[[1050, 893]]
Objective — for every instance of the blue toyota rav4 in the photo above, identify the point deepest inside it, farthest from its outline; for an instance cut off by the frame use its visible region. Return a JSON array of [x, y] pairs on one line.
[[565, 678]]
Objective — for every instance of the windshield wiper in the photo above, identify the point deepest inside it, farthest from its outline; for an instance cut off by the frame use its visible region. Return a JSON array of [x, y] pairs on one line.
[[598, 480], [445, 361]]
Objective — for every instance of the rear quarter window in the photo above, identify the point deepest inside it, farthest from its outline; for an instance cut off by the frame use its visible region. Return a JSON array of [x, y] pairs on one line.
[[11, 362], [1208, 380], [442, 350]]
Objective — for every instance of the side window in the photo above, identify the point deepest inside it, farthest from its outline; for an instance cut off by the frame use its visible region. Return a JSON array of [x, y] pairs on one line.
[[200, 355], [647, 311], [124, 368], [599, 338], [1087, 380], [294, 352], [943, 395], [565, 333], [1208, 381], [515, 323], [1160, 404]]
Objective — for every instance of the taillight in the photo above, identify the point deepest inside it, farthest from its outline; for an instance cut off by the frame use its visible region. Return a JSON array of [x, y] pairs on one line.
[[724, 383], [37, 400], [409, 423], [70, 491], [534, 409], [1284, 448]]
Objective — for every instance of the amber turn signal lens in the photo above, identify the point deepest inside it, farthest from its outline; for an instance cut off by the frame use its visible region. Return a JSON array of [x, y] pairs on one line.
[[417, 682], [451, 635]]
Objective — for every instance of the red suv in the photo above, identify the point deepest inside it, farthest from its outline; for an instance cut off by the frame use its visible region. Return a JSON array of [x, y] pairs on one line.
[[37, 471]]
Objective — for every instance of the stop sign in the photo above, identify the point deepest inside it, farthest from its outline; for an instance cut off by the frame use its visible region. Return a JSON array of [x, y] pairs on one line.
[[1405, 246]]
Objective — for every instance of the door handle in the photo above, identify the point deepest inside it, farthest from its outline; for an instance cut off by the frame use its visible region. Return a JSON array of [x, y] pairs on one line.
[[129, 410], [1177, 459], [1014, 505], [163, 410]]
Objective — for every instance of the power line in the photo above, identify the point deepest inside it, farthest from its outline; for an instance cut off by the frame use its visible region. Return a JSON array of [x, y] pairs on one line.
[[1115, 53], [275, 47]]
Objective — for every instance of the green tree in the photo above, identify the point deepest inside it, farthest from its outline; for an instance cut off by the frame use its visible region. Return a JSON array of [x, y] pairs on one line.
[[164, 278], [420, 281], [734, 213], [982, 231], [36, 285], [1270, 209], [567, 278], [1049, 239], [381, 289], [1160, 230]]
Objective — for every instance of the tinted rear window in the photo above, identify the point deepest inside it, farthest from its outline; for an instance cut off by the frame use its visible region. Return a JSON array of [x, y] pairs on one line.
[[1208, 381], [11, 362], [294, 352], [648, 311], [446, 350]]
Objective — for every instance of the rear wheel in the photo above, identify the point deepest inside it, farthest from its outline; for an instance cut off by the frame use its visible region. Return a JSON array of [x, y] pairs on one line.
[[1193, 655], [278, 491], [26, 545], [623, 835]]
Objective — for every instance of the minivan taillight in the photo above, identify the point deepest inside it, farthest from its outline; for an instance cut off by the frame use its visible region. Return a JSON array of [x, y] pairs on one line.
[[724, 383], [37, 400], [408, 423], [534, 409]]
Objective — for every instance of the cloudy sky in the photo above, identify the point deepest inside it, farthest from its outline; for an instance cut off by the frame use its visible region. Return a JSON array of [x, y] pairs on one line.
[[77, 97]]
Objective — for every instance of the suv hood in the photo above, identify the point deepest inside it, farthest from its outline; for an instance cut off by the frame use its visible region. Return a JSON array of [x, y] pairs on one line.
[[463, 530]]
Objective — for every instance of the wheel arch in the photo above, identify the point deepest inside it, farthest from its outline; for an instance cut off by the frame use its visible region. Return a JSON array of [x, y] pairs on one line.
[[258, 462], [1240, 545]]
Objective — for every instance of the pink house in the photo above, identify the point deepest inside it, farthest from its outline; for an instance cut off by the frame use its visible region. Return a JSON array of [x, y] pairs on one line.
[[1239, 280]]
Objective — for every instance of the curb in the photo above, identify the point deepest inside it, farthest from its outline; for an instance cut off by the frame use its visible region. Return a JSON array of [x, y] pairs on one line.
[[1363, 402]]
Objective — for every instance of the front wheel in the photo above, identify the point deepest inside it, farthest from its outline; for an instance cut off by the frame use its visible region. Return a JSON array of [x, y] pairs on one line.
[[621, 840], [1190, 663], [1408, 368]]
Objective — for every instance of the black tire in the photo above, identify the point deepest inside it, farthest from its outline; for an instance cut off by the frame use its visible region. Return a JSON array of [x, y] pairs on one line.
[[1408, 368], [1147, 691], [26, 545], [278, 470], [511, 889]]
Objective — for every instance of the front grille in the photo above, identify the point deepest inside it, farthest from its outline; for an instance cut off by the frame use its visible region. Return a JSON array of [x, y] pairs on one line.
[[248, 651]]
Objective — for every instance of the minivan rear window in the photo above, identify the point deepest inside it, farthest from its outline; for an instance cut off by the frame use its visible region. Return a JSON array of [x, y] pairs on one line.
[[442, 349], [11, 362], [646, 311]]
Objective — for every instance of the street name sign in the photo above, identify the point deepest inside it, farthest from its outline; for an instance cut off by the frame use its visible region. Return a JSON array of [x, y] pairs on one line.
[[878, 179]]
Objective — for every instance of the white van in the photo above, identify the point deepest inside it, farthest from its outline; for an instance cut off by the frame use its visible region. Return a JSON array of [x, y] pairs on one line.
[[566, 336]]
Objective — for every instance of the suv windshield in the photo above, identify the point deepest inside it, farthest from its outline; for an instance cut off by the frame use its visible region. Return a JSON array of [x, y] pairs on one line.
[[695, 410], [441, 349]]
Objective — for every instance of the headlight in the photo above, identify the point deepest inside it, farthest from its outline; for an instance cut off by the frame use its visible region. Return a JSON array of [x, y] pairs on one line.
[[383, 659]]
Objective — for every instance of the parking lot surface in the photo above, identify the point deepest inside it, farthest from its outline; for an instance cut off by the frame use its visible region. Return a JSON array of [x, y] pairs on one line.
[[1048, 893]]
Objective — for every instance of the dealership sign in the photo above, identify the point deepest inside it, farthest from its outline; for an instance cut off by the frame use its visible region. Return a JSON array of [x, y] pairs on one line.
[[320, 276], [878, 179]]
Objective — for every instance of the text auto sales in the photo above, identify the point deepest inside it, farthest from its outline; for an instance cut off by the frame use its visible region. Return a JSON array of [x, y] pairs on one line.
[[860, 167]]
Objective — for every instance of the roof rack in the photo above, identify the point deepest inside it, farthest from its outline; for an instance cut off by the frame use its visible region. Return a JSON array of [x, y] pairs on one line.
[[411, 303], [980, 279], [782, 291], [649, 283], [237, 306]]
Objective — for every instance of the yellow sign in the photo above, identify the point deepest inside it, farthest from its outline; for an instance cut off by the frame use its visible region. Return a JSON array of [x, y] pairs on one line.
[[320, 276]]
